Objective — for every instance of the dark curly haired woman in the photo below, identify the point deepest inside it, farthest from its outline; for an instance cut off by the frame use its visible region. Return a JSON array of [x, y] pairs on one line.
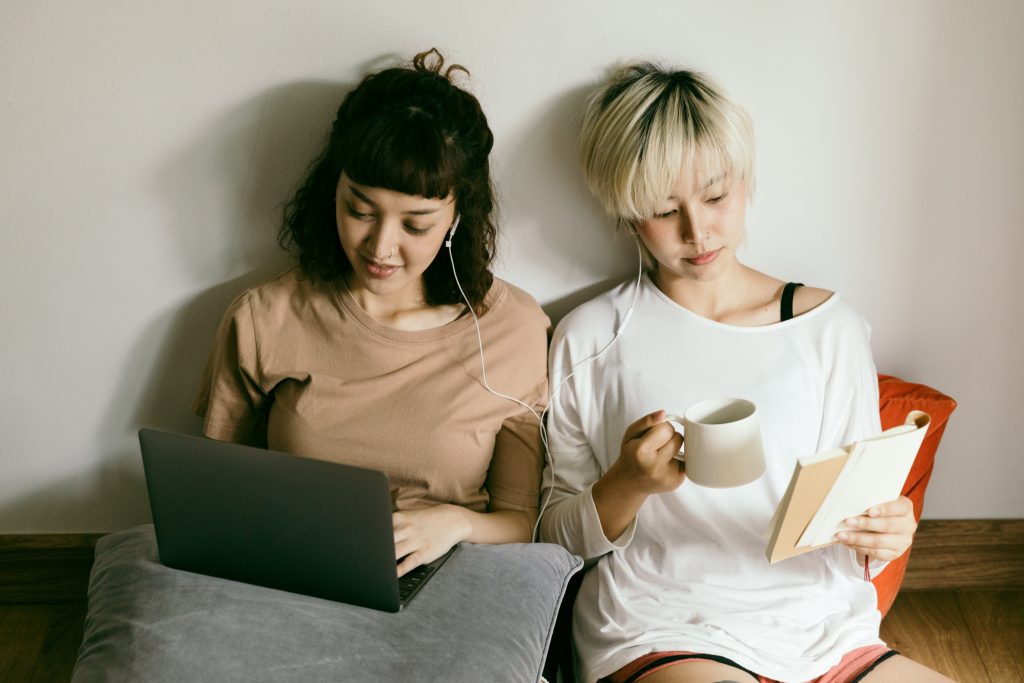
[[367, 351]]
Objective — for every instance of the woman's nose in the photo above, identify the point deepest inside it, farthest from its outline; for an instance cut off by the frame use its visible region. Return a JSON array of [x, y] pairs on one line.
[[381, 242], [688, 227]]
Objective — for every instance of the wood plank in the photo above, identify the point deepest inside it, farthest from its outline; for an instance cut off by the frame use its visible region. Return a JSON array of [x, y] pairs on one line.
[[48, 541], [929, 628], [60, 643], [967, 554], [22, 629], [45, 567], [996, 618]]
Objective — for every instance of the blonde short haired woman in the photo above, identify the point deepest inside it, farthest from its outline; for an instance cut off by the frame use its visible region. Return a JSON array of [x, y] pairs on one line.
[[679, 588]]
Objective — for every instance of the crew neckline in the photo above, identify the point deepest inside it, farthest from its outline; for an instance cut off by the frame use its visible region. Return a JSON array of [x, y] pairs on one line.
[[347, 301], [744, 329]]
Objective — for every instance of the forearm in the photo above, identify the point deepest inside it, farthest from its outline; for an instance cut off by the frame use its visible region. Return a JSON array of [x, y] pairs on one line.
[[498, 526], [572, 522], [616, 504]]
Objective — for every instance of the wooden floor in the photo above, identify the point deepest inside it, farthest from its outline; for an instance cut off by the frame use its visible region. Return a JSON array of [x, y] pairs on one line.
[[968, 635], [972, 636], [38, 643]]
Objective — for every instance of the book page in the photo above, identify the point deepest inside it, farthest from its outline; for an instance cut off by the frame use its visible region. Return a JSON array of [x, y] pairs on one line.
[[874, 473], [813, 531]]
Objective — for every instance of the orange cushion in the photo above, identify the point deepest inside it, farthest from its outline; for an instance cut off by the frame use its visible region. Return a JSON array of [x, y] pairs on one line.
[[896, 399]]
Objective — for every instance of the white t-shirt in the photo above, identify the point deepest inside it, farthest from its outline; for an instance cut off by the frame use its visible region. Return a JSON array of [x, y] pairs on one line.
[[690, 572]]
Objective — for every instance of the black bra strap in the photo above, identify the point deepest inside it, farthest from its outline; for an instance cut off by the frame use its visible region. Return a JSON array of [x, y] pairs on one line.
[[787, 299]]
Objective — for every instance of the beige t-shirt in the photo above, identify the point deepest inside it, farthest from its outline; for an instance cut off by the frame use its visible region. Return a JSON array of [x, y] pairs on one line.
[[298, 367]]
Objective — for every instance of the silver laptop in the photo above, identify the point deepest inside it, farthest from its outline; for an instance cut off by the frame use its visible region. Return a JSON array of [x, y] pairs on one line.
[[275, 519]]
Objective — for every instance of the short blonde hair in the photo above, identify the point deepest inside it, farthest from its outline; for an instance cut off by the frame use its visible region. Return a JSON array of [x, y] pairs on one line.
[[645, 123]]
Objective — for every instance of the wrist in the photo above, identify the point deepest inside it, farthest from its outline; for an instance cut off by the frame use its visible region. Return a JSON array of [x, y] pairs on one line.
[[616, 491], [460, 521], [618, 483]]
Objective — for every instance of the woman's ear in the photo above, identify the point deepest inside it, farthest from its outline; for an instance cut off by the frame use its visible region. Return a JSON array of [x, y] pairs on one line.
[[451, 233]]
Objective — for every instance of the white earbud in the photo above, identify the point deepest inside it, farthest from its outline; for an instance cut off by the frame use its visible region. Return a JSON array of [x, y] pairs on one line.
[[451, 233]]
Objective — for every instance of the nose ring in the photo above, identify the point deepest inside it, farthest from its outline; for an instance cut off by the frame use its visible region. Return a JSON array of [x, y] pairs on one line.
[[707, 235], [391, 253]]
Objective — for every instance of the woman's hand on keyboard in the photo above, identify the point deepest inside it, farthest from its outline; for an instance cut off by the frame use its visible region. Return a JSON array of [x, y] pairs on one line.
[[425, 534]]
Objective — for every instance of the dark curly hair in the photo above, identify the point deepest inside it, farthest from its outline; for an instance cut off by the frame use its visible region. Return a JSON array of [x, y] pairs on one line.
[[410, 130]]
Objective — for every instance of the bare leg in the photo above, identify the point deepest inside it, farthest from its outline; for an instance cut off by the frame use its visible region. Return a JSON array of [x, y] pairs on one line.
[[700, 671], [899, 669]]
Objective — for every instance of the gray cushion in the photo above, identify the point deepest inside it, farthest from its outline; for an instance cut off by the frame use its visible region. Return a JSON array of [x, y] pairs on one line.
[[487, 615]]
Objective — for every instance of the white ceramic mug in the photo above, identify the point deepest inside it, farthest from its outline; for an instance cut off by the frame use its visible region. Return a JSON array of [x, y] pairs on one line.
[[722, 444]]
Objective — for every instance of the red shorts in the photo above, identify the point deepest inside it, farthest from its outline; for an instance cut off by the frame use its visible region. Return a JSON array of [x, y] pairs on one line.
[[850, 669]]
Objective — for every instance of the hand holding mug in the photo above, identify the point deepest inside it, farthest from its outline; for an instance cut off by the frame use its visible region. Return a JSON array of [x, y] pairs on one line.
[[722, 442], [647, 460]]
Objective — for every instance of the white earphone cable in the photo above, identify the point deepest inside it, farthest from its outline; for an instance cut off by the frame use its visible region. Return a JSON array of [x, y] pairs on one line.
[[574, 369], [551, 396]]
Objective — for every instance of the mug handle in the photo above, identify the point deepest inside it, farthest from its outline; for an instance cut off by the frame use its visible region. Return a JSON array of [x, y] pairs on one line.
[[676, 419]]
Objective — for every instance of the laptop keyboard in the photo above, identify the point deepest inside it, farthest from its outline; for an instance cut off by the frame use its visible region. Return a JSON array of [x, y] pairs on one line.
[[411, 581]]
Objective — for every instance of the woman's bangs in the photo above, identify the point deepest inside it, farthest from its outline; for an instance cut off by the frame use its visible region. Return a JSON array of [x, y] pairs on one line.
[[405, 154]]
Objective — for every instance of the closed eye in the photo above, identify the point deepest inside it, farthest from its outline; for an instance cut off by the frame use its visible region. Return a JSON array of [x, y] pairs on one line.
[[666, 214], [715, 200], [413, 230], [359, 215]]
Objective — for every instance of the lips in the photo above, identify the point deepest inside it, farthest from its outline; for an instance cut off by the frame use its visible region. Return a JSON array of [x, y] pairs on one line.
[[380, 270], [704, 259]]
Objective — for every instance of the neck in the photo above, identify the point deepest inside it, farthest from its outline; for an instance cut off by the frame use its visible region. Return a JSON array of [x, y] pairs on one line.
[[383, 307], [718, 299], [405, 309]]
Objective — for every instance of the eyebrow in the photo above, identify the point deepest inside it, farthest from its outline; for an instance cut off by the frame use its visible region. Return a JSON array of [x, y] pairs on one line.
[[720, 176], [415, 212]]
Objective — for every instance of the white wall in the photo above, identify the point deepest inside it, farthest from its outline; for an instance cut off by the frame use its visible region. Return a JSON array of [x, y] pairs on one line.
[[145, 147]]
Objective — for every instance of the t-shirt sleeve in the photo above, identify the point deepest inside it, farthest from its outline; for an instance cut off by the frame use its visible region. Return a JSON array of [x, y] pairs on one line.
[[513, 476], [570, 516], [231, 398], [850, 409]]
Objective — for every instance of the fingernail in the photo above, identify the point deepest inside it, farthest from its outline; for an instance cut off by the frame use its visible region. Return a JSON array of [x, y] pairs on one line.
[[842, 536]]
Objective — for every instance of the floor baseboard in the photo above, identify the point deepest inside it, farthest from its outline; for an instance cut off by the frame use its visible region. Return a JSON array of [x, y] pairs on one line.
[[45, 567], [968, 554], [975, 554]]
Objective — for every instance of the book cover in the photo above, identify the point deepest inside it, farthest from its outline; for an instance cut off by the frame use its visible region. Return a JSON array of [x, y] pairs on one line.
[[829, 487]]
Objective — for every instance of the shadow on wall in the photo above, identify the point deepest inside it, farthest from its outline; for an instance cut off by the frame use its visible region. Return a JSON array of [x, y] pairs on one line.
[[557, 226], [257, 153]]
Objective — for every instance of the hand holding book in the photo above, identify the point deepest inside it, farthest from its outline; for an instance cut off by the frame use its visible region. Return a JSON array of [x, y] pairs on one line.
[[830, 487], [884, 532]]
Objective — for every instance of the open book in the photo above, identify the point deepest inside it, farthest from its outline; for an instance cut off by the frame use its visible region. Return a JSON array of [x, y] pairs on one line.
[[832, 486]]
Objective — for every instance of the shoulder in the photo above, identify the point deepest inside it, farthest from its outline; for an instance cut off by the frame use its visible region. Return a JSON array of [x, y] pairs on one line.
[[808, 298], [516, 305], [840, 324], [292, 289], [288, 286], [282, 300], [594, 318]]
